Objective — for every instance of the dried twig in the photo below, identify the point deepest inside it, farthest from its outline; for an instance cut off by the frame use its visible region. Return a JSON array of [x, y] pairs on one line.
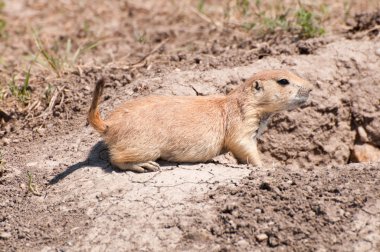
[[52, 102], [204, 17], [142, 61]]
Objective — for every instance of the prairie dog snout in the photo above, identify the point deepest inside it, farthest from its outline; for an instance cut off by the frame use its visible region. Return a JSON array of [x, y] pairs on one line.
[[196, 129]]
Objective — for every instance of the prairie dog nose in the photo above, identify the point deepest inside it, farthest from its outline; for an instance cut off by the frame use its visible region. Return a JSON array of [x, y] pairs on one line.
[[308, 87]]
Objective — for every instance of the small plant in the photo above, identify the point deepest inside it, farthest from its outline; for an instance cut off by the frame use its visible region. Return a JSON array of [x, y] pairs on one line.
[[32, 187], [347, 6], [2, 94], [243, 6], [279, 22], [71, 57], [2, 165], [54, 62], [3, 23], [248, 26], [49, 90], [58, 62], [140, 37], [201, 5], [22, 93], [307, 23], [86, 27]]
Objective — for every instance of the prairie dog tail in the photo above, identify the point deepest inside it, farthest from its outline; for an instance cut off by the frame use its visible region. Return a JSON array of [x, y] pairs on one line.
[[93, 115]]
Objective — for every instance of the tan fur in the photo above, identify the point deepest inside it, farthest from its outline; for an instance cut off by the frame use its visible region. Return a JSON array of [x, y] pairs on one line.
[[196, 129]]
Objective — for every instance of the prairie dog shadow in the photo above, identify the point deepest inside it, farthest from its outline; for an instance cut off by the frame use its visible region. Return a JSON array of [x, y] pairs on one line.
[[98, 157]]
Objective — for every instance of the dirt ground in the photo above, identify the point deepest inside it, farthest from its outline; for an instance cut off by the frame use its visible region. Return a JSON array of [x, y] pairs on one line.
[[318, 191]]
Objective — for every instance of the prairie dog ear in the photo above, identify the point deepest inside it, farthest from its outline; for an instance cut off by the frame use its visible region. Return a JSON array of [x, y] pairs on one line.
[[257, 86]]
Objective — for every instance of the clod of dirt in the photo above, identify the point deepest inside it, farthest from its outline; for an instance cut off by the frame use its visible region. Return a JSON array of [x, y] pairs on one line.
[[366, 21], [5, 235], [365, 153]]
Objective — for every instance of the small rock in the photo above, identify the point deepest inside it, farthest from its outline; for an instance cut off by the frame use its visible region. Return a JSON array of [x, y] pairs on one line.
[[378, 52], [242, 243], [182, 57], [5, 235], [366, 153], [273, 241], [6, 141], [321, 249], [23, 186], [261, 237], [31, 164], [41, 131], [258, 211], [174, 58]]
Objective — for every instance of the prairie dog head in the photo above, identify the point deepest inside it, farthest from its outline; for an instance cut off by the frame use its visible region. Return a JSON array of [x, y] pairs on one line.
[[276, 90]]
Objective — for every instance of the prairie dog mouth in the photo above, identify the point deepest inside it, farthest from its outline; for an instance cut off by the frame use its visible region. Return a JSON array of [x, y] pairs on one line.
[[298, 101], [302, 99]]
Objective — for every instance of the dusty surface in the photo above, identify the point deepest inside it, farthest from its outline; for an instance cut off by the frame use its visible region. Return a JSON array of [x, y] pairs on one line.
[[309, 195]]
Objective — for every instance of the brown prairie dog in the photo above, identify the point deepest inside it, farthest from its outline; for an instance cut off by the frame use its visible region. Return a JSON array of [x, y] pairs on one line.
[[196, 129]]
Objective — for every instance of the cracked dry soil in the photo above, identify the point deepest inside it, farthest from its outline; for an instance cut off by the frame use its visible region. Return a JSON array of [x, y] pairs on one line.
[[308, 197]]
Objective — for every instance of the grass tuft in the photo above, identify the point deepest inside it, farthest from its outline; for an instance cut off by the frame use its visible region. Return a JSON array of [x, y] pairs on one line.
[[54, 62], [59, 62], [22, 93], [307, 22]]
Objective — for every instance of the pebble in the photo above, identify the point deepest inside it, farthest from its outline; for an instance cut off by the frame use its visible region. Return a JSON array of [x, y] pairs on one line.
[[242, 243], [378, 51], [273, 241], [6, 141], [258, 211], [261, 237], [31, 164], [5, 235], [23, 186]]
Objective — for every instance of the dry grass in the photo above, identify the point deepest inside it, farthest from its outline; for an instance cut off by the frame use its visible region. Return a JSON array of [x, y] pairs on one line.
[[305, 18]]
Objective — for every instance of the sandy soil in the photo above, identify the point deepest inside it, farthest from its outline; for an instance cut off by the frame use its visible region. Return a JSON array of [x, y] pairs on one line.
[[59, 192]]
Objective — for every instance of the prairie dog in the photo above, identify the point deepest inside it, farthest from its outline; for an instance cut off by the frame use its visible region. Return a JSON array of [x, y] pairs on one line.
[[196, 128]]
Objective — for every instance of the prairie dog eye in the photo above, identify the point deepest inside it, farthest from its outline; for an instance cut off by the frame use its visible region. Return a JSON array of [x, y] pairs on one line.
[[283, 82]]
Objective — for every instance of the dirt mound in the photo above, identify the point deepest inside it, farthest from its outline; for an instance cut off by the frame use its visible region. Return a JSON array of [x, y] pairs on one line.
[[294, 210]]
